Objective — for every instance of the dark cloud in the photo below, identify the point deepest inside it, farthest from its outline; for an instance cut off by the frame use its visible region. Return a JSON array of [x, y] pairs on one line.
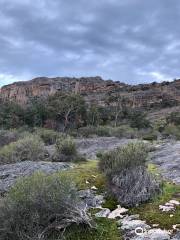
[[129, 40]]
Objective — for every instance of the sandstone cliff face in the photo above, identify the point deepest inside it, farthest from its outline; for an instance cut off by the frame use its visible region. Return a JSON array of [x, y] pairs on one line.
[[94, 89]]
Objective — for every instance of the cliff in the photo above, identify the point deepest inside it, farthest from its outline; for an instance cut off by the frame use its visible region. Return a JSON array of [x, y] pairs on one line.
[[95, 89]]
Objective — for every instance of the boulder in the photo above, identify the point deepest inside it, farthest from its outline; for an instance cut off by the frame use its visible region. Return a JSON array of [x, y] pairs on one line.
[[9, 173]]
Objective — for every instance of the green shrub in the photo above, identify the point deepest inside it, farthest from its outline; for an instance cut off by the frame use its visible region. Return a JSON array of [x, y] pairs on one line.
[[172, 131], [39, 206], [174, 118], [124, 131], [30, 148], [87, 131], [150, 136], [7, 136], [131, 155], [128, 179], [66, 146], [48, 136], [103, 131]]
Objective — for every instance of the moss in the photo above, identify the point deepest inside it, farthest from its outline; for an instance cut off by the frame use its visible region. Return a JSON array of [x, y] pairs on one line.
[[110, 202], [151, 213], [87, 175], [106, 230]]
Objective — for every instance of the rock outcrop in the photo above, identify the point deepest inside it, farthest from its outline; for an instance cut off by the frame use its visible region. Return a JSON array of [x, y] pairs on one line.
[[95, 89]]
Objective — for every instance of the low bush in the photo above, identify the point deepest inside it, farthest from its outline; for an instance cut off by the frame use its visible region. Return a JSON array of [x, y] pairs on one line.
[[7, 136], [150, 136], [48, 136], [131, 155], [174, 118], [39, 206], [30, 148], [66, 146], [127, 175], [90, 131], [134, 186], [124, 131], [172, 131]]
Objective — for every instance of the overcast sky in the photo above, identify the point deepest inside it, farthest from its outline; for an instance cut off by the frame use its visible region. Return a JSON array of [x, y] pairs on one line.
[[132, 41]]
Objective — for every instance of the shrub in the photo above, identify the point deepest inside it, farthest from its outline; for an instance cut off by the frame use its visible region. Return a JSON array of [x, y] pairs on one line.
[[150, 136], [39, 206], [48, 136], [103, 131], [131, 155], [30, 148], [174, 118], [127, 175], [124, 131], [138, 120], [172, 131], [87, 131], [134, 186], [7, 137], [66, 146]]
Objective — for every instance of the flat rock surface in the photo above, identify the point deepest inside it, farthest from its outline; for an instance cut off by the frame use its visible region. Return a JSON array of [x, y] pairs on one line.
[[89, 147], [11, 172], [167, 158]]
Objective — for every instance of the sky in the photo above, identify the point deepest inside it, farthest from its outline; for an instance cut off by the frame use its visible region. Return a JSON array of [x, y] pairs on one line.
[[132, 41]]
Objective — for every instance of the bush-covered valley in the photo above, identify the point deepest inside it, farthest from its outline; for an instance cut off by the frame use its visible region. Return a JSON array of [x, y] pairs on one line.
[[85, 198]]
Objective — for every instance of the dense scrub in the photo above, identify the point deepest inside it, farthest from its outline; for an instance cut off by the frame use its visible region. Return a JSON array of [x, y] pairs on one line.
[[29, 148], [40, 206], [128, 178]]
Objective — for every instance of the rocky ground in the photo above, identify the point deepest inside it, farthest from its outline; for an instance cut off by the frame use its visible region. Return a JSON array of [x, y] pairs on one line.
[[130, 225], [167, 158], [11, 172], [89, 147]]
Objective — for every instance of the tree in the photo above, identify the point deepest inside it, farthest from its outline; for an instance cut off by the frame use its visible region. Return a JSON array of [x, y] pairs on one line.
[[36, 112], [11, 115], [69, 109], [118, 103]]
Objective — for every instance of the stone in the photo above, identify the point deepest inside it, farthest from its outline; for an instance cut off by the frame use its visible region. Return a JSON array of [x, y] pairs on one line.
[[94, 188], [133, 224], [153, 234], [103, 213], [9, 173], [91, 199], [118, 212], [166, 158], [174, 202], [166, 208]]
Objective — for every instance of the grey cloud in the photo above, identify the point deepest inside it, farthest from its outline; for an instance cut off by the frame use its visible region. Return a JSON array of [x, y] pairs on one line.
[[130, 40]]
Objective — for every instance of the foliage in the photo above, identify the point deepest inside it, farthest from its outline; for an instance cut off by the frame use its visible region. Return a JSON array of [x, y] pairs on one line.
[[69, 109], [131, 155], [106, 230], [39, 206], [7, 136], [138, 119], [133, 186], [48, 136], [30, 148], [150, 136], [11, 115], [36, 112], [128, 179], [172, 131], [66, 146], [174, 118]]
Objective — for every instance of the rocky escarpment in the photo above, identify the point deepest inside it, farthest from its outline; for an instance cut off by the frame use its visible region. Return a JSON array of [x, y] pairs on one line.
[[95, 89]]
